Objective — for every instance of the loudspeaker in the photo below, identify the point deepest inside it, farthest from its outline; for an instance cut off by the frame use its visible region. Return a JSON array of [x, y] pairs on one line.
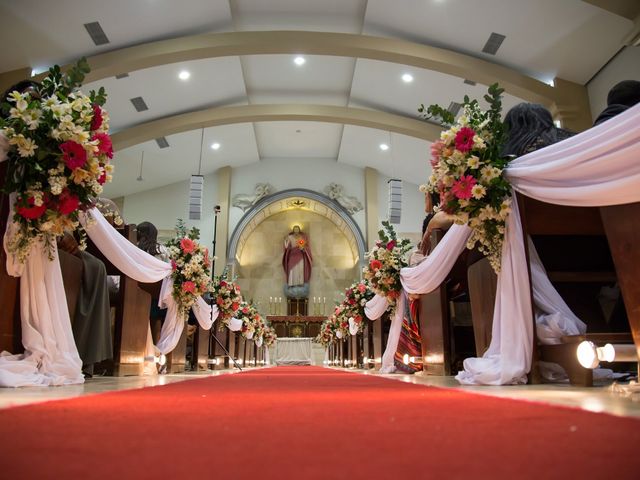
[[395, 200], [196, 185]]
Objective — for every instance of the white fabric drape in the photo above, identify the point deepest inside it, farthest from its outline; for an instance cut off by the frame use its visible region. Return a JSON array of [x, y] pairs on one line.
[[599, 167], [388, 363], [596, 168], [145, 268], [375, 307], [51, 357], [433, 270], [50, 354]]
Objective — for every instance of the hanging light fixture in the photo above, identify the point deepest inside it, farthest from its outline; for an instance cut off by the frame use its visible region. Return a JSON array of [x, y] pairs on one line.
[[196, 186], [140, 179]]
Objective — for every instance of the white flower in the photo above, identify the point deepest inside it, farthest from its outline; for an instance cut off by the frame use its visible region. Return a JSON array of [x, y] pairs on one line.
[[473, 162], [59, 110], [423, 188], [478, 191], [66, 123], [26, 146], [488, 173], [32, 118]]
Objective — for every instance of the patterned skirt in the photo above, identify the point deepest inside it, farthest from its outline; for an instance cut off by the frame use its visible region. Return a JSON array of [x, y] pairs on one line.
[[410, 342]]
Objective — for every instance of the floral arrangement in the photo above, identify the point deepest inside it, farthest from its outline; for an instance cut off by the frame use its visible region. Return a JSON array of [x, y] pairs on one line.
[[385, 260], [227, 297], [269, 335], [251, 320], [59, 157], [352, 306], [191, 268], [327, 334], [468, 171]]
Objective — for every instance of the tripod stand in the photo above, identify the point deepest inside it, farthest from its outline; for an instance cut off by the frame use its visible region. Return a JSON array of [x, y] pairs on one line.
[[212, 333]]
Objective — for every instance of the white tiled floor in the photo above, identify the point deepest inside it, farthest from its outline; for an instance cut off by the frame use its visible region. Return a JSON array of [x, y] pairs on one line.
[[596, 399]]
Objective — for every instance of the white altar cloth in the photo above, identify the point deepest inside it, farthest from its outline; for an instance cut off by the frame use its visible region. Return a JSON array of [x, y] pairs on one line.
[[293, 351]]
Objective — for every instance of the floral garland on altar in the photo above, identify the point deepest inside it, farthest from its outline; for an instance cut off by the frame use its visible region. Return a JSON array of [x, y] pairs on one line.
[[386, 260], [468, 171], [59, 158], [190, 265]]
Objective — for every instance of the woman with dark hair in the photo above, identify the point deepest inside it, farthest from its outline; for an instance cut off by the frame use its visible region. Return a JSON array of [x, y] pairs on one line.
[[530, 127], [621, 97], [148, 241]]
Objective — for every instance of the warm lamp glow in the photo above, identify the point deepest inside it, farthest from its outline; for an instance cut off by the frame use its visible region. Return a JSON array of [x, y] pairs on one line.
[[587, 354]]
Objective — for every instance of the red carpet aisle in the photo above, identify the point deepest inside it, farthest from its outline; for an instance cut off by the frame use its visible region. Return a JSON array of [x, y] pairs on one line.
[[306, 422]]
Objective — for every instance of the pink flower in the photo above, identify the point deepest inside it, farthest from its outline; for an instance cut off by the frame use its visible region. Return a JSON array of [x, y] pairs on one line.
[[189, 287], [391, 245], [462, 188], [97, 120], [104, 144], [102, 179], [436, 152], [73, 154], [188, 246], [362, 288], [67, 202], [464, 139], [174, 265]]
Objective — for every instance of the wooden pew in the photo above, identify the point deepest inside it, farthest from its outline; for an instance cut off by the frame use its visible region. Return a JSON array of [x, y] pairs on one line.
[[10, 332], [444, 346], [132, 315], [581, 253]]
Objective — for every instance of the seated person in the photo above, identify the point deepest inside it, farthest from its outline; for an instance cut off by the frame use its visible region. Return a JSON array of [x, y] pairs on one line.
[[91, 324], [621, 97], [148, 241], [530, 127]]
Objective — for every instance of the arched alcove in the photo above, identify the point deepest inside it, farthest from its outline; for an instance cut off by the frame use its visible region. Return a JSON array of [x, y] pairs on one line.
[[256, 245]]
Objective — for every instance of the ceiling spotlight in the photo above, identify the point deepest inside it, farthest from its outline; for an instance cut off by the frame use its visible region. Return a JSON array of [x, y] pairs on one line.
[[407, 78], [215, 146], [184, 75], [299, 61], [384, 147]]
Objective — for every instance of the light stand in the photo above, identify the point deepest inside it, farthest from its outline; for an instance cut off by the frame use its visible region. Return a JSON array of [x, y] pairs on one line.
[[212, 332]]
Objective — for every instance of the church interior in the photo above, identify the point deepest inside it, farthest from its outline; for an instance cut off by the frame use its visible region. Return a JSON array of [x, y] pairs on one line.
[[261, 238]]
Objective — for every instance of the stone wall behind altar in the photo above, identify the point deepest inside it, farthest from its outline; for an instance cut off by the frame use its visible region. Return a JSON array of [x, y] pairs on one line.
[[260, 273]]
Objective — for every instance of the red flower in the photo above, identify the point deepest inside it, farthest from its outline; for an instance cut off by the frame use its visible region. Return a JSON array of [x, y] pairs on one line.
[[219, 300], [67, 202], [104, 144], [235, 306], [174, 265], [97, 120], [375, 264], [189, 287], [362, 288], [462, 188], [187, 245], [33, 212], [391, 245], [464, 139], [245, 310], [102, 179], [74, 154], [223, 283]]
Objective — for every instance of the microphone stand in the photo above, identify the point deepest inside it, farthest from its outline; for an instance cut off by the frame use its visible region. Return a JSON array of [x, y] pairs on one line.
[[212, 332]]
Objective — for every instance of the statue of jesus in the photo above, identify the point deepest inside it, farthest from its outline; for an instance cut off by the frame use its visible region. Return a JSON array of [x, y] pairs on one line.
[[297, 259]]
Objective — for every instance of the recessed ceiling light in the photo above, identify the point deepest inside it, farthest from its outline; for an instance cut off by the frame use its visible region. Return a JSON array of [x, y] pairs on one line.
[[215, 146], [299, 61], [407, 78], [384, 147], [184, 75]]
